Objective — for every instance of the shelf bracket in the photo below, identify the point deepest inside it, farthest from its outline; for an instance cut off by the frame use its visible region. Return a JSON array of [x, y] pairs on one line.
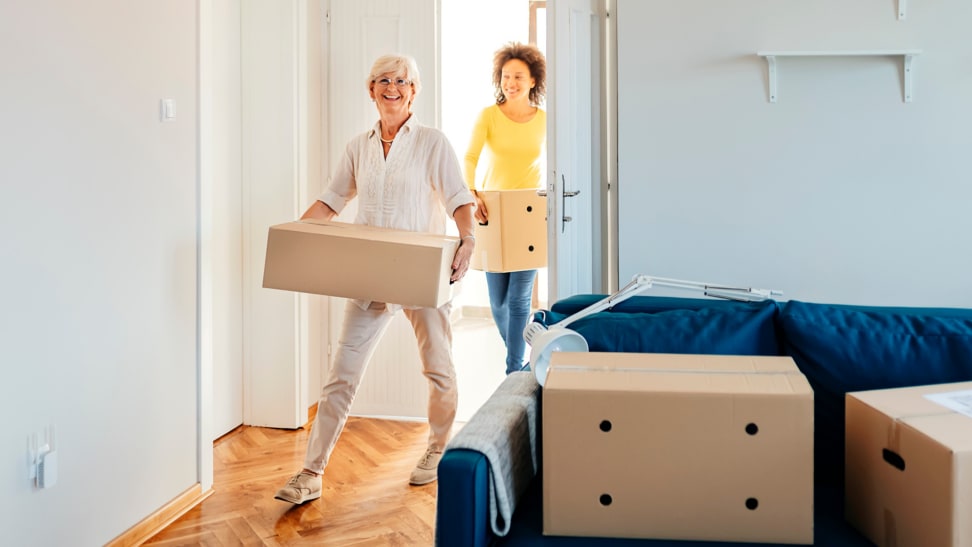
[[771, 75], [907, 60], [908, 79], [902, 9]]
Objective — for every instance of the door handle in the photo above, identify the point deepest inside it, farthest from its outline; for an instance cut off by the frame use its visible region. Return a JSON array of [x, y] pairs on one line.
[[565, 219], [542, 192]]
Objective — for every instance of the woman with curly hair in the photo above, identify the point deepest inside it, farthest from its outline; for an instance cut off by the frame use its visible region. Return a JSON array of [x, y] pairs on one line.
[[514, 132]]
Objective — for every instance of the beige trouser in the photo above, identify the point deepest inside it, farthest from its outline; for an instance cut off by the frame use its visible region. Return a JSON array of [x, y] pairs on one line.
[[360, 335]]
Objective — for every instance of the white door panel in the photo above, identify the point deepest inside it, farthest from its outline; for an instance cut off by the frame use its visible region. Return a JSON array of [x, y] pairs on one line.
[[272, 149], [226, 218], [573, 143], [359, 31]]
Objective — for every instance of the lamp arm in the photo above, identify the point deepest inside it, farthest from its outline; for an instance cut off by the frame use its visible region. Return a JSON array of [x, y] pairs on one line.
[[636, 285], [641, 282], [745, 294], [558, 337]]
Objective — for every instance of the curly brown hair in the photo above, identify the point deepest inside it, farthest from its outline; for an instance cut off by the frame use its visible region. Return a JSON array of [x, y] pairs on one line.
[[534, 59]]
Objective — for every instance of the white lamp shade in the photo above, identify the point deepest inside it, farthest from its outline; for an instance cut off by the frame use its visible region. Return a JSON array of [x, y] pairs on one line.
[[549, 341]]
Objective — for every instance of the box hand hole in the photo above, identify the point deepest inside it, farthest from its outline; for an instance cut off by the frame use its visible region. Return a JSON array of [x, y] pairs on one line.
[[752, 428], [605, 425], [893, 458]]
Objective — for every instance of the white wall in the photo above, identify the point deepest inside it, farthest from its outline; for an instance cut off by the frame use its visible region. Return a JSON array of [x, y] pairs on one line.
[[98, 206], [839, 192]]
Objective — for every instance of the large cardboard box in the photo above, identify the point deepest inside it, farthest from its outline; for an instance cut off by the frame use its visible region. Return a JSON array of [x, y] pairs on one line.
[[360, 262], [515, 238], [689, 447], [908, 473]]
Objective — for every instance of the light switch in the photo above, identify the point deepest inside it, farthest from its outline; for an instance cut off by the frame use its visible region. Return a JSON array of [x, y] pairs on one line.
[[47, 470], [168, 110], [42, 458]]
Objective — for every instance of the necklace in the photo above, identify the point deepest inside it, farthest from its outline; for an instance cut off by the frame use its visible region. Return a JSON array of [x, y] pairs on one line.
[[389, 141]]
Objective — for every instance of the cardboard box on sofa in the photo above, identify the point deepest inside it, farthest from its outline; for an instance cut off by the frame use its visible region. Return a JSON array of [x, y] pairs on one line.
[[360, 262], [515, 238], [697, 447], [908, 467]]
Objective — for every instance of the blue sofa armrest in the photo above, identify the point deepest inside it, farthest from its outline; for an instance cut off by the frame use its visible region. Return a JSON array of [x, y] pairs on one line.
[[462, 507], [488, 465]]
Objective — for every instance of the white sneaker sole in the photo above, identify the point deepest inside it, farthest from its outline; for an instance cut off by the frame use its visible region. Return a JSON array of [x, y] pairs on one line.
[[297, 500], [415, 482]]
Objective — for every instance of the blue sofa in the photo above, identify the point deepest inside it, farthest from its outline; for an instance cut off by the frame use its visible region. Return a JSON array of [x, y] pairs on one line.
[[839, 348]]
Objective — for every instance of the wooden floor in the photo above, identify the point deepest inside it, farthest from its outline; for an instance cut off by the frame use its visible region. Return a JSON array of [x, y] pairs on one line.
[[366, 498]]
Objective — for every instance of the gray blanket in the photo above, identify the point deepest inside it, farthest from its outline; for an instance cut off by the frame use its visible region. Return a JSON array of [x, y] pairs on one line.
[[504, 429]]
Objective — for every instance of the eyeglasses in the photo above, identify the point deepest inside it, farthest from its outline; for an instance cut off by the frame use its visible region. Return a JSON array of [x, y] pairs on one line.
[[399, 82]]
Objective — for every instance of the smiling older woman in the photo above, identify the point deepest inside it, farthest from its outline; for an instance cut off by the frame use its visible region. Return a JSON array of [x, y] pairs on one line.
[[405, 176]]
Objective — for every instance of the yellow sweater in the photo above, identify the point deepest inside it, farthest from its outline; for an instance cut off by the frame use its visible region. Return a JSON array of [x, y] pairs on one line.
[[516, 151]]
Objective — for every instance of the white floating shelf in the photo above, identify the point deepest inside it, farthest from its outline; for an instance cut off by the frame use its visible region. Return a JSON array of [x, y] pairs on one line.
[[907, 58]]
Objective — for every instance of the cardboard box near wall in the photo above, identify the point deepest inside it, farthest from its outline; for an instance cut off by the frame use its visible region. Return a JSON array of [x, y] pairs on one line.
[[908, 465], [515, 238], [360, 262], [693, 447]]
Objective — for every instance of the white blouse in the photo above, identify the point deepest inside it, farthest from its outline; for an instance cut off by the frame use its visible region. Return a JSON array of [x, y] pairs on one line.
[[415, 188]]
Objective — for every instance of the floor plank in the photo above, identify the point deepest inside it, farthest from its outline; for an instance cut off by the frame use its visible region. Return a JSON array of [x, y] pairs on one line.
[[366, 498]]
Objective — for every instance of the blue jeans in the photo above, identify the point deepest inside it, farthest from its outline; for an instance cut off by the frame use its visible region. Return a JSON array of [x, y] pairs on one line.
[[510, 296]]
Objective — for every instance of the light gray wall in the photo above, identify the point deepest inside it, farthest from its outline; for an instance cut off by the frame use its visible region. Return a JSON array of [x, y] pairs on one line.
[[839, 192], [98, 208]]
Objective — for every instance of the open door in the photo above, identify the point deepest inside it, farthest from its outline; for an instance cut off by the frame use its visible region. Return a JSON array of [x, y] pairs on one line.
[[574, 190]]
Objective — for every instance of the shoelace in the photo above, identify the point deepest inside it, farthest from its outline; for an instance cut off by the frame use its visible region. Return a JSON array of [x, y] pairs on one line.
[[429, 454], [294, 480]]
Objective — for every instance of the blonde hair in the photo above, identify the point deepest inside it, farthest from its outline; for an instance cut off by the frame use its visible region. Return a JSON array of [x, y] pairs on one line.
[[400, 65]]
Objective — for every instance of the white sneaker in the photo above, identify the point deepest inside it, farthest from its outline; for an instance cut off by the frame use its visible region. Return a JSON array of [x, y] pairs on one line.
[[427, 469], [300, 488]]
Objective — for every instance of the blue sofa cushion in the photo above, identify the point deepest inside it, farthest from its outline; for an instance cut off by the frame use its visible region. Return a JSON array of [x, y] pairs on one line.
[[843, 348], [647, 324]]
